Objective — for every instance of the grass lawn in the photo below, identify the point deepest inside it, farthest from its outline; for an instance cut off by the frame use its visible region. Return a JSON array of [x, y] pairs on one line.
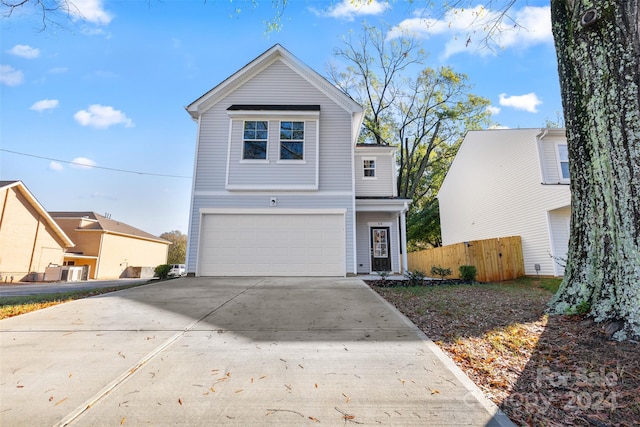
[[540, 370], [14, 306]]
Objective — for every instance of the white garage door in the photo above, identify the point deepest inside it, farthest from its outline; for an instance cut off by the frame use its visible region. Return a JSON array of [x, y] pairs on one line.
[[249, 244]]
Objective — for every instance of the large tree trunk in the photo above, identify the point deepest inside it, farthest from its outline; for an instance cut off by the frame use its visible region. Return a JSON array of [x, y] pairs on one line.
[[598, 48]]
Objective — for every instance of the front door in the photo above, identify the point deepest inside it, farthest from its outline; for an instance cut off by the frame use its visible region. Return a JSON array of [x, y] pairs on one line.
[[380, 253]]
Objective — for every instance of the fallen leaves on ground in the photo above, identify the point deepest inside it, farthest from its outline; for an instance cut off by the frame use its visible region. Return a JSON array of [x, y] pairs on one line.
[[539, 369]]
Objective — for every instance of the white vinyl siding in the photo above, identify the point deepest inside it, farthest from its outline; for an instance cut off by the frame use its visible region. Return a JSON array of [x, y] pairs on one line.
[[328, 163], [493, 189], [551, 168], [559, 224], [313, 201], [382, 185]]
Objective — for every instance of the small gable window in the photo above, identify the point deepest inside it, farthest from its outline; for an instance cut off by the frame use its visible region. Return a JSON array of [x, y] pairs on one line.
[[255, 137], [369, 168], [563, 161], [291, 140]]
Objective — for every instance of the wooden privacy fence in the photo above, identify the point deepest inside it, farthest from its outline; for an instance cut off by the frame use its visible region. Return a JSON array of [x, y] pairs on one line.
[[495, 259]]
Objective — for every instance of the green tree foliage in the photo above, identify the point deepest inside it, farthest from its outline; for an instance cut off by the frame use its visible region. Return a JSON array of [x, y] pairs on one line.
[[425, 112], [177, 248]]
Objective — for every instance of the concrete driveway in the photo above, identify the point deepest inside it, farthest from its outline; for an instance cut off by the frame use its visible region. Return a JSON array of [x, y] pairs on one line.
[[231, 351]]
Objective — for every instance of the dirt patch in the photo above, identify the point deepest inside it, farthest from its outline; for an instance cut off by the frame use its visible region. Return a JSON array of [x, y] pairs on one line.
[[540, 370]]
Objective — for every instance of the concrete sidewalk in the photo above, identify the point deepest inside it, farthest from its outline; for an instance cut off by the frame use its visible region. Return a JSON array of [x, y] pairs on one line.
[[231, 351]]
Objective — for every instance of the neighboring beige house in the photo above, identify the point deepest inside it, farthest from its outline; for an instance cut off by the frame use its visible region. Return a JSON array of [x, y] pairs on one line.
[[110, 248], [511, 182], [30, 240]]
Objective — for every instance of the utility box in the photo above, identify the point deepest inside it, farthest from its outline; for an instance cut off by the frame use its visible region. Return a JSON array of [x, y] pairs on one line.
[[53, 273]]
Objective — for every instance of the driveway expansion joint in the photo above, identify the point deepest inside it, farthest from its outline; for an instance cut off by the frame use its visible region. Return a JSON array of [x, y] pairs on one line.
[[71, 417]]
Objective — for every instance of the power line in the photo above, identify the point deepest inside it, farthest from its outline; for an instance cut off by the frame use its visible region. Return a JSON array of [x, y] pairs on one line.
[[93, 166]]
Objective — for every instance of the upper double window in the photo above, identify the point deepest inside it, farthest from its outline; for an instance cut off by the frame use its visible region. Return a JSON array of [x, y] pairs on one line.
[[255, 137], [291, 140]]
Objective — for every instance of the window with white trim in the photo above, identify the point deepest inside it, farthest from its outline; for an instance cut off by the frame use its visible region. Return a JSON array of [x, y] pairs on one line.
[[563, 161], [369, 168], [291, 140], [255, 137]]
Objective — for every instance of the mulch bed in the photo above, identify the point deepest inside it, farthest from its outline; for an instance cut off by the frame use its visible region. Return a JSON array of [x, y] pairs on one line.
[[540, 370]]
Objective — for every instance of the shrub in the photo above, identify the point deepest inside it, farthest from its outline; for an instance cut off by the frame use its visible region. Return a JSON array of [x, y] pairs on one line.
[[162, 271], [416, 277], [440, 271], [384, 275], [468, 272]]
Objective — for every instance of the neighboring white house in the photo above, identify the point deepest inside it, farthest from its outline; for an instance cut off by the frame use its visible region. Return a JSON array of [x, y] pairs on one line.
[[280, 185], [511, 182]]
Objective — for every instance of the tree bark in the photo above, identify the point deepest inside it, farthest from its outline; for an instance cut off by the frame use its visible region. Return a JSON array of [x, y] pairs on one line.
[[598, 49]]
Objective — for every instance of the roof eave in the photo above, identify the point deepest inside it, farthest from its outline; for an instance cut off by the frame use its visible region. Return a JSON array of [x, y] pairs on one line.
[[43, 213]]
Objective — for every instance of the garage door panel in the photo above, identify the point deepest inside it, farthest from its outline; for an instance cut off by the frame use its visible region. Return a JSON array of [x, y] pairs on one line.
[[268, 244]]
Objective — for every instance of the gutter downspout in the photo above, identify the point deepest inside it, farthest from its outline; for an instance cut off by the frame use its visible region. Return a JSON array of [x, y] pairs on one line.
[[98, 261], [403, 237], [35, 243]]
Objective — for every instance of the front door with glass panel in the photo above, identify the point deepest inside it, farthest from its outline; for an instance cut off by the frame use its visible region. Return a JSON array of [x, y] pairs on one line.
[[380, 253]]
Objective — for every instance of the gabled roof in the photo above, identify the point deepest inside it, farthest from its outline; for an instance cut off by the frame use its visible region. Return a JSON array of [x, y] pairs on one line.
[[275, 53], [102, 223], [19, 186]]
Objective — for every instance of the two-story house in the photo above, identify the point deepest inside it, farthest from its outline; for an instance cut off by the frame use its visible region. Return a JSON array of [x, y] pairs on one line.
[[511, 182], [281, 187]]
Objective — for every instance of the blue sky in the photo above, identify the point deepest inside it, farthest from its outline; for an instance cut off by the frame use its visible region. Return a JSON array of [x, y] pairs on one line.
[[108, 87]]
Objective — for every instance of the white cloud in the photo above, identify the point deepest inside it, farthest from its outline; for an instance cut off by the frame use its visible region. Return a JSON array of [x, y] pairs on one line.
[[10, 76], [45, 104], [82, 163], [349, 9], [24, 51], [98, 195], [90, 10], [493, 110], [55, 166], [101, 117], [58, 70], [468, 29], [499, 127], [527, 102]]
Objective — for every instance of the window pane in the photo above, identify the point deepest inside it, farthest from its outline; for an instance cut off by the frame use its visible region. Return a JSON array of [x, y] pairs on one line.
[[563, 153], [291, 150], [254, 150], [285, 134], [565, 169]]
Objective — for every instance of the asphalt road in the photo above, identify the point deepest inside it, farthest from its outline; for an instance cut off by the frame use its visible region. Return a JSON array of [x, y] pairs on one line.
[[12, 290]]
